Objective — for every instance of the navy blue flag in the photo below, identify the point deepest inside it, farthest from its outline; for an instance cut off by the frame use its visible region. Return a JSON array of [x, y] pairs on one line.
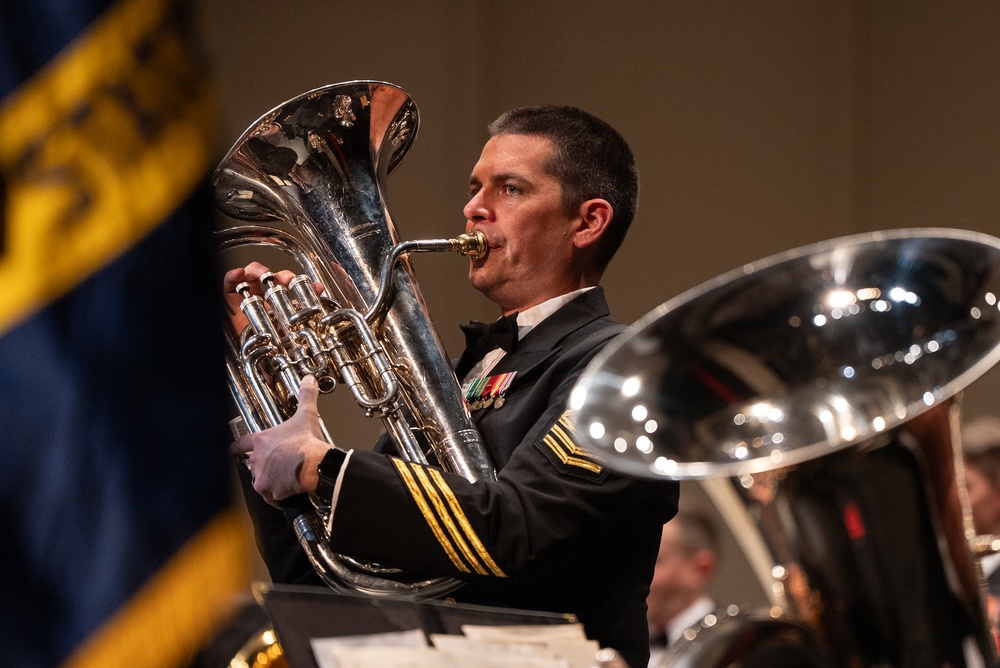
[[120, 542]]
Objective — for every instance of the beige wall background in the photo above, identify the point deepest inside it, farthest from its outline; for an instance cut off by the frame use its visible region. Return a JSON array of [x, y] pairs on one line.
[[757, 126]]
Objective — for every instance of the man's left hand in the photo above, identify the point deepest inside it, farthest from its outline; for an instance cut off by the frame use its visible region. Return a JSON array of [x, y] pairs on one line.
[[285, 458]]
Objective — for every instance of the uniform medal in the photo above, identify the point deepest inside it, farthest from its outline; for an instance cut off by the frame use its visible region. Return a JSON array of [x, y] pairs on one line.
[[488, 391]]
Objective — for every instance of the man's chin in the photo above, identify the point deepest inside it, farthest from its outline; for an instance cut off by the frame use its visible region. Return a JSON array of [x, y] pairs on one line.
[[478, 278], [481, 282]]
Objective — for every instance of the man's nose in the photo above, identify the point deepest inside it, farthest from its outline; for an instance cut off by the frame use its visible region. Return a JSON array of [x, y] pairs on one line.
[[476, 209]]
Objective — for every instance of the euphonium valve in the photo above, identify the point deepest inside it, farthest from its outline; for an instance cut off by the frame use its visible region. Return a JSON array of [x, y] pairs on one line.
[[292, 332]]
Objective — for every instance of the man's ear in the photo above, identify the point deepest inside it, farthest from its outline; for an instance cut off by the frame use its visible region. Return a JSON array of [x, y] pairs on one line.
[[595, 216], [705, 561]]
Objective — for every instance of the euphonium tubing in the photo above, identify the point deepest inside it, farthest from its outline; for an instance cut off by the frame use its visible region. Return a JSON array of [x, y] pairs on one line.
[[308, 178]]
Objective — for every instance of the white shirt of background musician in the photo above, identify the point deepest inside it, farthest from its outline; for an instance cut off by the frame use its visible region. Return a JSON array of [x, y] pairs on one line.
[[690, 616]]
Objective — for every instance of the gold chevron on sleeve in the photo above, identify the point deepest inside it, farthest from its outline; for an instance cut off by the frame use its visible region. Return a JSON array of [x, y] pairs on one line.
[[459, 514], [560, 440], [429, 516]]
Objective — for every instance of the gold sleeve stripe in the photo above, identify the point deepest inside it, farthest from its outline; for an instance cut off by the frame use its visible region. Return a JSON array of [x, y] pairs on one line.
[[442, 513], [562, 444], [428, 514], [459, 514]]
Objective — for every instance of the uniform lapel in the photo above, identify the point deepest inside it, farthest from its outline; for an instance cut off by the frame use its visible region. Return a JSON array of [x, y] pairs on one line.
[[544, 341], [464, 364]]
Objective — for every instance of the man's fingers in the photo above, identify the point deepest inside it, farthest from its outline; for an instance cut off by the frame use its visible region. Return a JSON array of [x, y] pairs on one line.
[[241, 446], [249, 274], [255, 270], [233, 278], [284, 277], [308, 395]]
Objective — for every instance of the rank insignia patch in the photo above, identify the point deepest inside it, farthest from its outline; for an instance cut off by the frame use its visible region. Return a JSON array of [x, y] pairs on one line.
[[561, 448]]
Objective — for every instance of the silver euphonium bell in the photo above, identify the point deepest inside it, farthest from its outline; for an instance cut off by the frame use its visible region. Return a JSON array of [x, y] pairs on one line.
[[814, 396], [312, 169]]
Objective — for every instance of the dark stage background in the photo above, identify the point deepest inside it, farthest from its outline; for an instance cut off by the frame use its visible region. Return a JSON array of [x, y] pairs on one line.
[[758, 127]]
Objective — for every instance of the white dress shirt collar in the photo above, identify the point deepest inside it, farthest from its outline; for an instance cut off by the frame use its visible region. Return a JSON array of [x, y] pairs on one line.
[[527, 320]]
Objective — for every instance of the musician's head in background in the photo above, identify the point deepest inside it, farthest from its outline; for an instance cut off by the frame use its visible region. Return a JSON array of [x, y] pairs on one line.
[[685, 567], [554, 191], [981, 450]]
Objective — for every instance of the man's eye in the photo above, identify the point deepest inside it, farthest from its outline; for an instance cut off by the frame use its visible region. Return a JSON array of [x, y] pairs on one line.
[[511, 190]]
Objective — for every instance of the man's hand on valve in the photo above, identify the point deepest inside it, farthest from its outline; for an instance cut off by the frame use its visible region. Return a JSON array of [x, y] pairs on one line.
[[251, 274], [285, 458]]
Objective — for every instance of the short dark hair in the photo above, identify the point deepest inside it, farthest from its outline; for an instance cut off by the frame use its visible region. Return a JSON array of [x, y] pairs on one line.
[[591, 160]]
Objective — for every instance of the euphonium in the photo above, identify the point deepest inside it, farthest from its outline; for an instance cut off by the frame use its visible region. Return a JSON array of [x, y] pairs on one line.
[[313, 169]]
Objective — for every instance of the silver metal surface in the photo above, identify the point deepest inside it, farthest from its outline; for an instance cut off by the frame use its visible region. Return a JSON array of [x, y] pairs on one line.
[[309, 174], [815, 394], [795, 356]]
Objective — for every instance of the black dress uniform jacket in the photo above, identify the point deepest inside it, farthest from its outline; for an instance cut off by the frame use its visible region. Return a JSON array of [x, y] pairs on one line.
[[558, 531]]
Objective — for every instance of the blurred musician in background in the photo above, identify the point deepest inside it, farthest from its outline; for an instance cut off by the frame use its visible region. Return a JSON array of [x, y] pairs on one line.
[[554, 191], [685, 567], [981, 452]]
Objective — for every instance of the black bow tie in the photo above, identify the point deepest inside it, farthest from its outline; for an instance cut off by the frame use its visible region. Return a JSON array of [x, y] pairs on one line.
[[480, 338]]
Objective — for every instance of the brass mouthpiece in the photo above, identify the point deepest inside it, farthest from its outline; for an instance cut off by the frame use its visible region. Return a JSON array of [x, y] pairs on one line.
[[472, 244]]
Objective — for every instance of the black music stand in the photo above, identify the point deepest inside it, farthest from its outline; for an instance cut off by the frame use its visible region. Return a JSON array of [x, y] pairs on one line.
[[300, 613]]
